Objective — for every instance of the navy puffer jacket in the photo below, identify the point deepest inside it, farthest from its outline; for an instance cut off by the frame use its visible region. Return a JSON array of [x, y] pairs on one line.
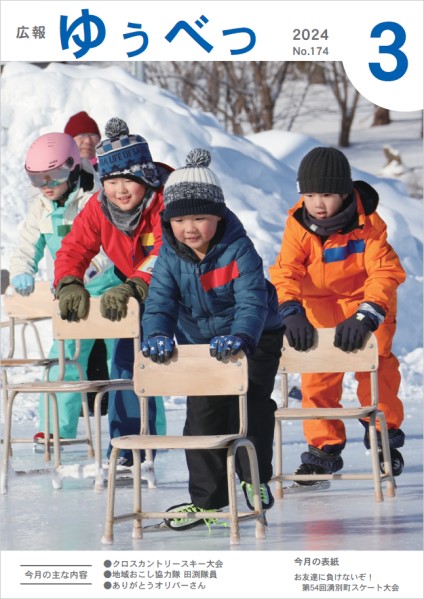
[[225, 293]]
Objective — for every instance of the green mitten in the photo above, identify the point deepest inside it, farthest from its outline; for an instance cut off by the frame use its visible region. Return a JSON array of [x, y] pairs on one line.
[[113, 303], [74, 299]]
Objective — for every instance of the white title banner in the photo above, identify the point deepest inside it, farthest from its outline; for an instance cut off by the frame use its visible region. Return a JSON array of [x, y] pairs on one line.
[[380, 44]]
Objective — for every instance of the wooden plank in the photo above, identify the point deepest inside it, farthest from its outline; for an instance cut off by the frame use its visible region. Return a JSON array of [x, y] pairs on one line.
[[191, 371], [96, 326], [329, 358]]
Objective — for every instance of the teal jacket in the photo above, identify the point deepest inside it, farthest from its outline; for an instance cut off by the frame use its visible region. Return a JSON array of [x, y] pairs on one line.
[[45, 227]]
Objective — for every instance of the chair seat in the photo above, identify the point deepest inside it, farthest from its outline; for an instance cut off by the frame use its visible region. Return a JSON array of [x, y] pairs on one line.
[[174, 442], [324, 413], [69, 386]]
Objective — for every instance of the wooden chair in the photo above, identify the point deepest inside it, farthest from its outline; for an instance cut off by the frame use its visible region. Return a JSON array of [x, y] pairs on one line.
[[324, 357], [191, 371], [94, 326], [24, 314]]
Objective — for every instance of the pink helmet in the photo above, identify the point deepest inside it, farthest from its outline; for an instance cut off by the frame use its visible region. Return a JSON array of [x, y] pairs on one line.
[[51, 151]]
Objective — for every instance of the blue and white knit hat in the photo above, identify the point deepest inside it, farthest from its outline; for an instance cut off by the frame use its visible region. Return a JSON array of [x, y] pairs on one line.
[[193, 189], [125, 155]]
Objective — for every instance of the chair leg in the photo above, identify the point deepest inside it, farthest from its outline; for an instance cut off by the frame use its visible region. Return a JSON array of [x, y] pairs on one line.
[[137, 532], [99, 476], [378, 493], [107, 538], [144, 430], [5, 400], [254, 473], [278, 449], [6, 443], [57, 479], [56, 440], [47, 454], [232, 495], [387, 462], [85, 411]]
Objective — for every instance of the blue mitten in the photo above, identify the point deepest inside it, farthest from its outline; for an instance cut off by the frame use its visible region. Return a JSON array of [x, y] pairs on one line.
[[225, 345], [23, 284], [158, 348]]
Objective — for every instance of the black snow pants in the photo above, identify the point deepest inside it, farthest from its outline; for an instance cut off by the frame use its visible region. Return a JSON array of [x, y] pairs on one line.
[[219, 415]]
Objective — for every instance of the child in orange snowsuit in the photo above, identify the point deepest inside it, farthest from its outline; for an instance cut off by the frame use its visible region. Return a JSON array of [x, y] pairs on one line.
[[336, 269]]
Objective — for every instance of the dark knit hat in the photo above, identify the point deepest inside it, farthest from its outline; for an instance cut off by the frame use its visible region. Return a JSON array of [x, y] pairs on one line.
[[324, 170], [125, 155], [81, 123], [193, 189]]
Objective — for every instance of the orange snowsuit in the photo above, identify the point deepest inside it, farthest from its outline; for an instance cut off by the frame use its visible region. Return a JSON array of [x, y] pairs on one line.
[[330, 279]]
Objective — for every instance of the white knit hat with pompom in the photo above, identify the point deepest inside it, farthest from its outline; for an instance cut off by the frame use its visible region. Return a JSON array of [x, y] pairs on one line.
[[193, 189]]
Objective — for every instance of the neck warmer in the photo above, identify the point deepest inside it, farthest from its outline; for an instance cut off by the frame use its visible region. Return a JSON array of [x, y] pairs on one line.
[[125, 221], [334, 224]]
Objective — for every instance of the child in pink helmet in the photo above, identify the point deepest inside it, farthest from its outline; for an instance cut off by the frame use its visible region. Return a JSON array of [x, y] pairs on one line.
[[65, 183]]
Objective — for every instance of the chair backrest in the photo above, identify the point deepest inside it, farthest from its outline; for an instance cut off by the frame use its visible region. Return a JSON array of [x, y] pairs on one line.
[[40, 304], [192, 371], [95, 326], [27, 311], [325, 357]]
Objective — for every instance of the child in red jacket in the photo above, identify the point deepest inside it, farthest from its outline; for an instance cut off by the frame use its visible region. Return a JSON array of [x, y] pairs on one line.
[[122, 218], [336, 269]]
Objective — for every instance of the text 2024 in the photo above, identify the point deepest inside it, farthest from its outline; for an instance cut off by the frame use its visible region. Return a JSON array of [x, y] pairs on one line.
[[309, 34]]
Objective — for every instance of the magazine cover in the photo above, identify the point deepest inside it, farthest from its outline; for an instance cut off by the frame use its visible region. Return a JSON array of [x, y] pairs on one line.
[[211, 299]]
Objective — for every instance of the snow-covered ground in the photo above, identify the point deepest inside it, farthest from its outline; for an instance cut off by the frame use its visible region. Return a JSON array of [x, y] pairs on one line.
[[258, 175]]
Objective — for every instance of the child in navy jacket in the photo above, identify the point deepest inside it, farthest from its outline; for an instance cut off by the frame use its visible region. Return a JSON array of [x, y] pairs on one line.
[[209, 280]]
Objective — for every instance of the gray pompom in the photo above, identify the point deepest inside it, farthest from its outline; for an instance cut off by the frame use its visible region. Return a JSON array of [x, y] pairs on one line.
[[198, 157], [115, 127]]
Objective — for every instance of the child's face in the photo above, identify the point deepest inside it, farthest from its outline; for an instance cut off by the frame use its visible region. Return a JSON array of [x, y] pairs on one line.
[[54, 193], [323, 205], [124, 193], [195, 230]]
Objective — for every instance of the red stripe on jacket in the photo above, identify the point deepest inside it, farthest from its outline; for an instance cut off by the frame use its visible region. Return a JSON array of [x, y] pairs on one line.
[[219, 276]]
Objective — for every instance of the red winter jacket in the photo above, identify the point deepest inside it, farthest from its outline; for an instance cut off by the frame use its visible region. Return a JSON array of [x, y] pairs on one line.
[[133, 256]]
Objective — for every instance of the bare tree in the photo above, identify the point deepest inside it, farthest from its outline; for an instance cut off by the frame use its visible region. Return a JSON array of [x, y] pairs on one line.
[[381, 116], [242, 95], [247, 96], [347, 98]]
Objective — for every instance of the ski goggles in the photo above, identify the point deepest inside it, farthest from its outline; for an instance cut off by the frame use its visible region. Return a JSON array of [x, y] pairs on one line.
[[52, 178]]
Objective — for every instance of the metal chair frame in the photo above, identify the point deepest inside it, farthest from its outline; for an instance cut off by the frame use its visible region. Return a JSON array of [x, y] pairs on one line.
[[324, 357]]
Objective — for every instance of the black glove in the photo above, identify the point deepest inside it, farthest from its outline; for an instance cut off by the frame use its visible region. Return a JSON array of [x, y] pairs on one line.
[[113, 303], [74, 299], [298, 329], [352, 332]]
